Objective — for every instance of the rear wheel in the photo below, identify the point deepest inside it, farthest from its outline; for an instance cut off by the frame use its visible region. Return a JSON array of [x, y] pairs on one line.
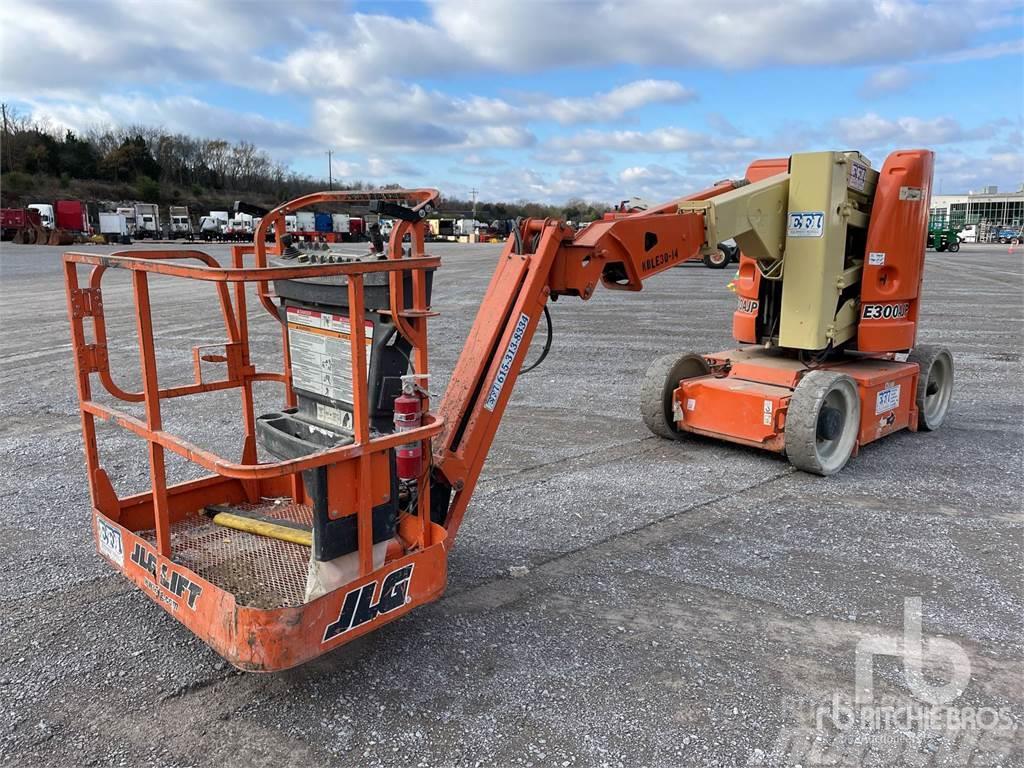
[[822, 422], [934, 385], [954, 247], [717, 259], [662, 378]]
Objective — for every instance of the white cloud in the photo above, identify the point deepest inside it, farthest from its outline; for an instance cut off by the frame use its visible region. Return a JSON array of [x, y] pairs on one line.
[[887, 80], [392, 114], [669, 139], [982, 52], [872, 129], [958, 172], [178, 114], [68, 48], [735, 34], [616, 102]]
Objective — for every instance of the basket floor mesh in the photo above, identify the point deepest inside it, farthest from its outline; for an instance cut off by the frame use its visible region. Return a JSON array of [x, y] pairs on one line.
[[260, 572]]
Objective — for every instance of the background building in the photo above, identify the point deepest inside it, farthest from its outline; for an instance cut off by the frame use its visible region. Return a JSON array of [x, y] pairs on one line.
[[987, 207]]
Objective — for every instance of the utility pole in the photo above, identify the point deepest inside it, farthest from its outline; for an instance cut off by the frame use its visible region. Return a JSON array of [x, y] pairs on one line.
[[474, 192], [330, 175], [7, 136]]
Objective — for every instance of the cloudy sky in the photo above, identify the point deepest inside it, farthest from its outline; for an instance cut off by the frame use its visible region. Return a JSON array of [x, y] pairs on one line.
[[541, 100]]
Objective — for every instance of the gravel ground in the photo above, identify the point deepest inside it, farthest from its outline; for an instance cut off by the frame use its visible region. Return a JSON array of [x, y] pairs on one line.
[[687, 603]]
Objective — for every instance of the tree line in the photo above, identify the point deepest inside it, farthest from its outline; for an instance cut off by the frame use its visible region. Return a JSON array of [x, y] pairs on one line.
[[171, 167]]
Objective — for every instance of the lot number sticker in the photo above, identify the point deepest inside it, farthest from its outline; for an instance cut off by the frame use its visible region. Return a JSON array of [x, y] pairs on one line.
[[111, 546], [887, 399]]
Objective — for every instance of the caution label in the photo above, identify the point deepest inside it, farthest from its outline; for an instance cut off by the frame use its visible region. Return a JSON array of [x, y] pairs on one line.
[[320, 344]]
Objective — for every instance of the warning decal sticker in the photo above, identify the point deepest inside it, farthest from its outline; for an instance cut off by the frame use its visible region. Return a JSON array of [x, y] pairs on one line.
[[320, 344]]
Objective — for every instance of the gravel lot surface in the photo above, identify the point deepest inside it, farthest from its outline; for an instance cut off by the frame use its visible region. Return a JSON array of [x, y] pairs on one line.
[[688, 603]]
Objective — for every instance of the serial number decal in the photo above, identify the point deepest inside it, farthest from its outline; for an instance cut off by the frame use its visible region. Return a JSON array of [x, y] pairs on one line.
[[109, 537], [359, 608], [506, 361], [911, 193], [668, 257], [805, 224], [748, 306], [876, 258], [885, 311], [887, 399]]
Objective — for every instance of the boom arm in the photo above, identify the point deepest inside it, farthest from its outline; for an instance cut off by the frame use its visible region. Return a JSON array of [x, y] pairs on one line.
[[543, 259]]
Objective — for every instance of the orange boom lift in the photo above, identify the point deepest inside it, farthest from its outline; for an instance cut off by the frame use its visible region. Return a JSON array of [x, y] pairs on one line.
[[348, 525]]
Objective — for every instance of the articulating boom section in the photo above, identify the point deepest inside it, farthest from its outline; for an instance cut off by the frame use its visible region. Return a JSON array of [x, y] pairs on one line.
[[547, 259]]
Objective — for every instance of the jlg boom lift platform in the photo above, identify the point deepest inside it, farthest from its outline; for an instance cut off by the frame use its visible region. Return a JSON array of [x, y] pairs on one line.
[[347, 522]]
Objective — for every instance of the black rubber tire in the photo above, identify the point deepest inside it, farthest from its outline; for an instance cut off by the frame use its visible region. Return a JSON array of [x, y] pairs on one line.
[[718, 260], [934, 385], [662, 378], [953, 247], [940, 248], [805, 447]]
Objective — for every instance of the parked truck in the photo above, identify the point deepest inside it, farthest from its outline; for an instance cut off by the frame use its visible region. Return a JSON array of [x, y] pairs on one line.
[[128, 212], [240, 227], [23, 226], [147, 220], [180, 222], [210, 228], [45, 211], [323, 223], [305, 223], [114, 228], [70, 216]]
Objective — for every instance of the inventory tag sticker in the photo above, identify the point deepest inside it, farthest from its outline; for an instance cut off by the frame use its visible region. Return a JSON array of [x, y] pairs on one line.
[[887, 399], [858, 176], [506, 361], [805, 224], [910, 193], [876, 259], [691, 404], [109, 537], [767, 412]]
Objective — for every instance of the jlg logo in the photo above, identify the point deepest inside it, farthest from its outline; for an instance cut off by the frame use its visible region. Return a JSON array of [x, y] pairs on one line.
[[169, 579], [359, 607]]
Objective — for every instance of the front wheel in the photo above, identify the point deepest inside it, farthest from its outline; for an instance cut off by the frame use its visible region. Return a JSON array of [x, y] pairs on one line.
[[661, 380], [934, 385], [954, 247], [822, 422]]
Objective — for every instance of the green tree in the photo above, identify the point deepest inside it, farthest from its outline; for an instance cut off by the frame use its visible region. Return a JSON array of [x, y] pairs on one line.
[[148, 189]]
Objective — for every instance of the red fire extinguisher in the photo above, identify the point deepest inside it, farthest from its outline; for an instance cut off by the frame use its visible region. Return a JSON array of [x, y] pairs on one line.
[[409, 415]]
